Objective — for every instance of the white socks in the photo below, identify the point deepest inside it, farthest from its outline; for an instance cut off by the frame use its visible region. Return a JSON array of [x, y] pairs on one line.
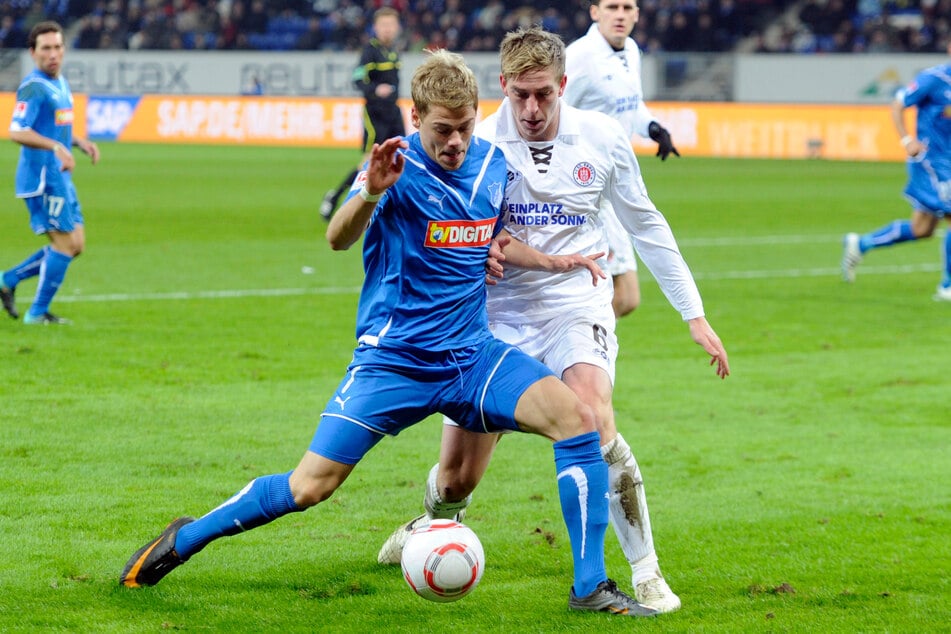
[[628, 509]]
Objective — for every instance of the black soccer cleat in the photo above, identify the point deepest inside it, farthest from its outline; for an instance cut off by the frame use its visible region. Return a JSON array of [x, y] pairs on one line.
[[329, 204], [607, 598], [156, 559], [46, 318], [9, 305]]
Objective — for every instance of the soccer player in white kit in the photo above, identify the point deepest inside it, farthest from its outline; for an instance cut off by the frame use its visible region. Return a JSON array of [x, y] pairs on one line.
[[562, 162], [604, 74]]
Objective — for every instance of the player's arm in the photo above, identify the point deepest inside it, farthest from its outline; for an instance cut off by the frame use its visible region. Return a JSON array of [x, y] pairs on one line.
[[32, 138], [911, 143], [383, 170], [519, 254]]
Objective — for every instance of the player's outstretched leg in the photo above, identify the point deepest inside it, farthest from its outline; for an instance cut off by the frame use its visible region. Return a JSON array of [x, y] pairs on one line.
[[436, 508], [627, 504], [263, 500]]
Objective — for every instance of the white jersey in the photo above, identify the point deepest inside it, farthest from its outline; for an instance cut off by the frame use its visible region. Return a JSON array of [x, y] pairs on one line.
[[609, 81], [559, 212]]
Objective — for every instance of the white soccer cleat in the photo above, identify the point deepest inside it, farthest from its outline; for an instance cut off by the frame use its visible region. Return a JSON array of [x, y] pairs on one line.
[[392, 550], [851, 256], [656, 594], [942, 294]]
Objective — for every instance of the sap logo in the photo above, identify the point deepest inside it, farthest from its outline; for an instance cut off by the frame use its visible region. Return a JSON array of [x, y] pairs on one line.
[[107, 118]]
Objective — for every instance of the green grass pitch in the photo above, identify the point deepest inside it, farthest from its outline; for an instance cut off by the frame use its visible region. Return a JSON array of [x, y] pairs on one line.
[[806, 493]]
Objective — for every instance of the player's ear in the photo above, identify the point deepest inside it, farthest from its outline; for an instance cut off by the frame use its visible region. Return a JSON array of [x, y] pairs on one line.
[[414, 117]]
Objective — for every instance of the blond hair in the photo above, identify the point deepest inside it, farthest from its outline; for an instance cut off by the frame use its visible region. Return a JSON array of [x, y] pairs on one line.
[[531, 49], [443, 79]]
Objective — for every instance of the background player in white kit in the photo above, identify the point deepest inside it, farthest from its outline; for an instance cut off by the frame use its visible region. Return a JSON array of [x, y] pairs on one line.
[[604, 74], [561, 163]]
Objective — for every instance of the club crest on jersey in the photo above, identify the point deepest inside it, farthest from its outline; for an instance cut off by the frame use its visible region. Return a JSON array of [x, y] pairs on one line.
[[455, 234], [19, 110], [64, 116], [583, 173]]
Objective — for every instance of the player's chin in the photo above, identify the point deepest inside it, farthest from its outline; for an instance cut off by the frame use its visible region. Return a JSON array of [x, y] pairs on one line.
[[452, 160]]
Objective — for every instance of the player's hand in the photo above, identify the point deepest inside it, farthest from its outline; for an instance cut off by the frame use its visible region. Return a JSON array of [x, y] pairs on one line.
[[89, 148], [565, 263], [386, 164], [493, 264], [665, 146], [703, 334]]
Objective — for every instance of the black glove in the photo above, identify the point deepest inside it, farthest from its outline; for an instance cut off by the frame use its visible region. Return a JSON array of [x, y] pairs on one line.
[[664, 145]]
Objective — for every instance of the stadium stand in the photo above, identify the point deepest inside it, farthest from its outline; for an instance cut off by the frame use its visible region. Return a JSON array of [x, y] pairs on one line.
[[764, 26]]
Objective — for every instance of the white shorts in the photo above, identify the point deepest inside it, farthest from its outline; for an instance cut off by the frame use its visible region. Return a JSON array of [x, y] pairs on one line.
[[621, 257], [577, 336]]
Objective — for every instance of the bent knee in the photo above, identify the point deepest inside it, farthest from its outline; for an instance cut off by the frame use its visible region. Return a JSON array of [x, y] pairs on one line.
[[311, 491]]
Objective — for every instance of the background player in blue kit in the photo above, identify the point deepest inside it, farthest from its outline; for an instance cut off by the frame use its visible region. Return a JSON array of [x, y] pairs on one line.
[[929, 173], [427, 207], [43, 126]]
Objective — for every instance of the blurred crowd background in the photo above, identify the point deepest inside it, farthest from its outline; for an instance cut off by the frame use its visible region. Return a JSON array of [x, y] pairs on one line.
[[761, 26]]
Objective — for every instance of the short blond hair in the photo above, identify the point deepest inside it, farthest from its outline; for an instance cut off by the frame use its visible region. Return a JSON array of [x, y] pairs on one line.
[[444, 79], [531, 49]]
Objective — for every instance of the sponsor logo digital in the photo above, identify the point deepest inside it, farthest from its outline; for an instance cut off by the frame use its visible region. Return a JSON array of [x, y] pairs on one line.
[[454, 234], [64, 116]]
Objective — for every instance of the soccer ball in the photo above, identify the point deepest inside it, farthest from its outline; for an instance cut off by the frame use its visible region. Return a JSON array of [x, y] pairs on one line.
[[443, 560]]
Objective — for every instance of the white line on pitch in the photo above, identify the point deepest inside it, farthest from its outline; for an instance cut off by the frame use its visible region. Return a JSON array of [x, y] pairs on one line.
[[263, 292], [284, 292]]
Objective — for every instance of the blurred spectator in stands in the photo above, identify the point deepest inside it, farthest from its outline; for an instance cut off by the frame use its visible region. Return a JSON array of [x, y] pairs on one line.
[[114, 33], [90, 32], [679, 34], [256, 19], [11, 36], [313, 38]]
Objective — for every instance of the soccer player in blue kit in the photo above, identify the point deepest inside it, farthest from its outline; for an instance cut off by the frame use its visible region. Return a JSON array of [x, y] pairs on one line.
[[43, 126], [929, 173], [428, 207]]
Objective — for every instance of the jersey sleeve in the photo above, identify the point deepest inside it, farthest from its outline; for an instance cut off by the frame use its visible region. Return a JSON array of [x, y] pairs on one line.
[[29, 102], [651, 233], [642, 114], [917, 91]]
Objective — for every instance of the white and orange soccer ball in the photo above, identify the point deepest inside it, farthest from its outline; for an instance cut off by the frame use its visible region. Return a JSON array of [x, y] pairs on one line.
[[443, 560]]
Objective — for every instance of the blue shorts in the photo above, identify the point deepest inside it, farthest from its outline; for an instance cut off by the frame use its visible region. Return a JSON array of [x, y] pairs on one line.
[[386, 390], [929, 186], [57, 209]]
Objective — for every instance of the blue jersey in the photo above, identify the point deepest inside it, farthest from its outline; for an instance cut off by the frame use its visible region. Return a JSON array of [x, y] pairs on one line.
[[929, 184], [44, 105], [425, 250]]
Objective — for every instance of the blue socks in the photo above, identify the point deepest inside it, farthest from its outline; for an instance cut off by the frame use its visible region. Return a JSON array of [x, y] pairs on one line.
[[52, 272], [261, 501], [893, 233], [24, 270], [583, 488]]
